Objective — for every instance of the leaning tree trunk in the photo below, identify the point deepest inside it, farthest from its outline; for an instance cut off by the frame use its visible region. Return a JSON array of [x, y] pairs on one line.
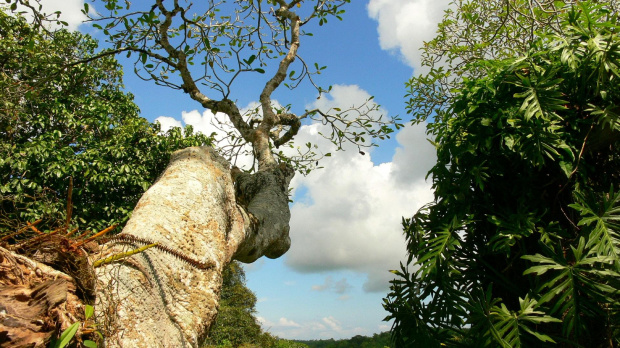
[[201, 216]]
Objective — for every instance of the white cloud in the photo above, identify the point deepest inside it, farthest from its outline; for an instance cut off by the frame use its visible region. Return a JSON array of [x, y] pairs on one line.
[[70, 11], [332, 323], [209, 123], [287, 323], [415, 156], [281, 323], [323, 328], [404, 25], [350, 215], [341, 286], [343, 97], [167, 123]]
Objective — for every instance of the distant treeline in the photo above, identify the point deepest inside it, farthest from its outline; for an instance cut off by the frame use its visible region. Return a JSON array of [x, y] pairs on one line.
[[381, 340]]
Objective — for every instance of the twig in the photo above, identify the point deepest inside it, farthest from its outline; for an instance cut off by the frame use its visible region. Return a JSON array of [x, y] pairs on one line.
[[121, 256], [98, 234]]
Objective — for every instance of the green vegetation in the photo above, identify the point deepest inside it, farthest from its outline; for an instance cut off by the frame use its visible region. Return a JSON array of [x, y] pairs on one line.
[[63, 114], [381, 340], [520, 246], [236, 324]]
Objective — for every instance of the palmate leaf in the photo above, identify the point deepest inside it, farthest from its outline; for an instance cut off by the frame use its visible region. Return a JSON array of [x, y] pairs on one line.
[[542, 95], [602, 214], [493, 324], [405, 303], [577, 288], [439, 246], [482, 331]]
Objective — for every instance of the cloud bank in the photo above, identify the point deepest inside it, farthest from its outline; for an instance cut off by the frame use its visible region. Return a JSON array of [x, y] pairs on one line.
[[404, 25], [349, 214]]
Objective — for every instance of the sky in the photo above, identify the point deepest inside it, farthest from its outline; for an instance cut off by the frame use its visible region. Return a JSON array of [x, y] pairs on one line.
[[346, 218]]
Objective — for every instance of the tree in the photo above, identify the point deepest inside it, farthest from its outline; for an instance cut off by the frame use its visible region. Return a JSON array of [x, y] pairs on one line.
[[205, 51], [74, 121], [235, 323], [520, 246], [381, 340], [199, 215], [68, 134]]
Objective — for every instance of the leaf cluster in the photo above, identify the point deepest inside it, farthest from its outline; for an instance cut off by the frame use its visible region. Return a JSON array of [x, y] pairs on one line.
[[472, 31], [520, 246], [64, 115]]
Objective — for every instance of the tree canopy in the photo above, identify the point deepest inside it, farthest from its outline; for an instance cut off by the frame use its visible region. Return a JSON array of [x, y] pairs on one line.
[[205, 49], [65, 115], [520, 246]]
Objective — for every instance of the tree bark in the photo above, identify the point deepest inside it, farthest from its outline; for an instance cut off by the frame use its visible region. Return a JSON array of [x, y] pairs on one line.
[[168, 295]]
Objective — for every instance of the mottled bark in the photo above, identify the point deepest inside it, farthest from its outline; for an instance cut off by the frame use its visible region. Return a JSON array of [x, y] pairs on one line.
[[168, 295]]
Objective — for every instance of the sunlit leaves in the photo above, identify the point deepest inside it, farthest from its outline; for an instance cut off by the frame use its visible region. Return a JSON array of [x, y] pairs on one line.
[[601, 213], [495, 325], [528, 163], [576, 288], [74, 122]]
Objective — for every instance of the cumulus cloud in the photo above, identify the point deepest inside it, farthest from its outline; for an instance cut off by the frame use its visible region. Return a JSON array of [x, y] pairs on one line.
[[404, 25], [349, 216], [384, 327], [70, 11], [208, 123], [167, 123], [341, 97], [332, 323]]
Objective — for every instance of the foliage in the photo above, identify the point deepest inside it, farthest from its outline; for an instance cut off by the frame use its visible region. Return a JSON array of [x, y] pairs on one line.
[[520, 246], [236, 324], [207, 49], [289, 344], [87, 326], [473, 30], [381, 340], [63, 114]]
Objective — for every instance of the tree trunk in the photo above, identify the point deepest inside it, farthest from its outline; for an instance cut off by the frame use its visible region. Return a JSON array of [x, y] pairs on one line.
[[168, 295]]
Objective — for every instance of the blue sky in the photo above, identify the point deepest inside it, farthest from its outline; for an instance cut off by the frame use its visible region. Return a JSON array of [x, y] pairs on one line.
[[345, 225]]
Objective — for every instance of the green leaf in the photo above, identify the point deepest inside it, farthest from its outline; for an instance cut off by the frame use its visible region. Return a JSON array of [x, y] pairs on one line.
[[68, 335], [90, 344], [88, 311]]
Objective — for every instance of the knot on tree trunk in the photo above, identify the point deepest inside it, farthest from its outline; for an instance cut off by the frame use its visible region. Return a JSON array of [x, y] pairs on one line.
[[264, 195]]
